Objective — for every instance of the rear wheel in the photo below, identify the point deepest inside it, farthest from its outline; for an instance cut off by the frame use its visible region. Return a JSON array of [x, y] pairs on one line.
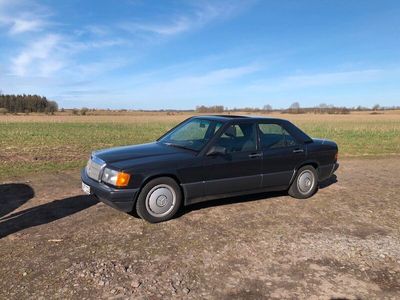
[[305, 183], [159, 200]]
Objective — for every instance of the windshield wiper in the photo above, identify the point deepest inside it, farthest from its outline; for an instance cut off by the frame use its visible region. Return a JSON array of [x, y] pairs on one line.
[[178, 146]]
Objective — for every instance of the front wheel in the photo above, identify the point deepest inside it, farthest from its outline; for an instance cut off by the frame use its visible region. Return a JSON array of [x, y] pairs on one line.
[[305, 183], [159, 200]]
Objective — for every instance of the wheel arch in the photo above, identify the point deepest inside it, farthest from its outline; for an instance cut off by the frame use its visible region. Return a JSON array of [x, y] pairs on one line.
[[312, 163], [164, 174]]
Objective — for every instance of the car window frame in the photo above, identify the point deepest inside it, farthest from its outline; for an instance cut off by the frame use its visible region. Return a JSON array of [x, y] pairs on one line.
[[223, 128]]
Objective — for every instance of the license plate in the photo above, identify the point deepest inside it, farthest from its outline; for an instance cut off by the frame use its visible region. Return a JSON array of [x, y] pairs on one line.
[[85, 188]]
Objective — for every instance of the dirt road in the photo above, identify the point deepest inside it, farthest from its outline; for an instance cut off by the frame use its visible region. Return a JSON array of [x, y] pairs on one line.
[[343, 242]]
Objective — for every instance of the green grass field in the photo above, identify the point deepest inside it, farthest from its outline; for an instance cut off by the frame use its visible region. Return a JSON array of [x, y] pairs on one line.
[[30, 147]]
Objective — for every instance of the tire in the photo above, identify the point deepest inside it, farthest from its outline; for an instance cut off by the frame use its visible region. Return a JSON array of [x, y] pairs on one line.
[[305, 184], [159, 200]]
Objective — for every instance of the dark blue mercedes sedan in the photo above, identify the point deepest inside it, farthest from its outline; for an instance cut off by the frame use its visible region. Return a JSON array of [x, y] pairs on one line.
[[209, 157]]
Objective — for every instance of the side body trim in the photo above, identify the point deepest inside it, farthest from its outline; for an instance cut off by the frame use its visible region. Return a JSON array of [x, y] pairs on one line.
[[196, 191]]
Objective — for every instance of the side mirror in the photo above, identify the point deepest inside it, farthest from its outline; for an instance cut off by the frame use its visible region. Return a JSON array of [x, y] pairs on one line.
[[216, 150]]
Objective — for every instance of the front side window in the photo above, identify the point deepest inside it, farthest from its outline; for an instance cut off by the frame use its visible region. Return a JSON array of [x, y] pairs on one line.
[[193, 134], [275, 136], [238, 138]]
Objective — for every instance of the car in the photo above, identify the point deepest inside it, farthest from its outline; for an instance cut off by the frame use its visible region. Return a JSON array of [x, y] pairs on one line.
[[209, 157]]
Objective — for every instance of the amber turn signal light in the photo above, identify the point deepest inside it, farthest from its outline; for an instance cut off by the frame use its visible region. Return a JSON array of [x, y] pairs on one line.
[[122, 179]]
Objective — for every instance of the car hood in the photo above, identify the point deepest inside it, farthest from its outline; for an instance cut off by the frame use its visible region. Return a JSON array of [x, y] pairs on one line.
[[125, 153]]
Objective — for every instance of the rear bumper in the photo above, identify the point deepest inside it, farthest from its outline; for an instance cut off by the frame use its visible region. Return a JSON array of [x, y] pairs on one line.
[[325, 172], [335, 167], [121, 199]]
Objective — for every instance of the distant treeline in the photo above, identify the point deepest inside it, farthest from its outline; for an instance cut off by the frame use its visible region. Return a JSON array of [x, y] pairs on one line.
[[321, 109], [26, 104], [210, 109], [294, 108]]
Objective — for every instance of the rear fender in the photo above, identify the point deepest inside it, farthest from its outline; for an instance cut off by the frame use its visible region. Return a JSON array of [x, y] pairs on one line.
[[311, 162]]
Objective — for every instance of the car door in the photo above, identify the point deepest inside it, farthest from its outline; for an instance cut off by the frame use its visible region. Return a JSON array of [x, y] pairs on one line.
[[239, 169], [282, 153]]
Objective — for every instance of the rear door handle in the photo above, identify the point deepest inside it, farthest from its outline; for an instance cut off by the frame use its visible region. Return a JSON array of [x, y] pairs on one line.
[[255, 155], [298, 150]]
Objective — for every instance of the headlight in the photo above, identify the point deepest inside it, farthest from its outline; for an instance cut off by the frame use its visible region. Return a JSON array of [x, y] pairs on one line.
[[115, 178], [88, 164]]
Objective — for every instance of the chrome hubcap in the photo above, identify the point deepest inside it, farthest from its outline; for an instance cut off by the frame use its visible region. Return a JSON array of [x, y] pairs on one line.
[[305, 181], [160, 200]]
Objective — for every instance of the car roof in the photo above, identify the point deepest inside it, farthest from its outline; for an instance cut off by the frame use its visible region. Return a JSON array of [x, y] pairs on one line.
[[225, 118]]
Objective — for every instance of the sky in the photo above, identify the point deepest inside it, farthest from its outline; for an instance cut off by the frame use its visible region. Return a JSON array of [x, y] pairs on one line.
[[143, 54]]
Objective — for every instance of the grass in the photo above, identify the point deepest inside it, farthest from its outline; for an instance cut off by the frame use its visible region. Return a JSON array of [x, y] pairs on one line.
[[28, 147], [379, 138], [35, 147]]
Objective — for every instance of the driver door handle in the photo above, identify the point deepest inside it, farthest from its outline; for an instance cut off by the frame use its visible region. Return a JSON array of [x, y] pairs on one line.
[[298, 150], [253, 155]]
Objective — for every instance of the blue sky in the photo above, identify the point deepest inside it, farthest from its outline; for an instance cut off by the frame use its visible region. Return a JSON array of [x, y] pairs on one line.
[[141, 54]]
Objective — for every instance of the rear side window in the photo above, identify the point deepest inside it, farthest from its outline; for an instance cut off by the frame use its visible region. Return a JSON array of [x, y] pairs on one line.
[[239, 138], [290, 141], [275, 136], [233, 130]]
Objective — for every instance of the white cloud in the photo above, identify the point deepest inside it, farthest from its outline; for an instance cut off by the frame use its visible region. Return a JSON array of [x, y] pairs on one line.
[[5, 3], [52, 52], [97, 68], [216, 77], [22, 16], [50, 66], [20, 25], [196, 17], [187, 85], [36, 54], [178, 25], [97, 30], [76, 46]]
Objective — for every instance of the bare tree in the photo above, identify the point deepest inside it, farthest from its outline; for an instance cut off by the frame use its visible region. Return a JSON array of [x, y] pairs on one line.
[[376, 107], [210, 109], [295, 105], [267, 108], [84, 110], [295, 108]]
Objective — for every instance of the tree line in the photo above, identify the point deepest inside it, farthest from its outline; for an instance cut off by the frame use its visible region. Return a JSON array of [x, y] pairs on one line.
[[26, 104], [210, 109], [294, 108]]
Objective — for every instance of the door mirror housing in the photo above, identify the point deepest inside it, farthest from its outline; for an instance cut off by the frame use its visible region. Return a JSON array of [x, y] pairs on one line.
[[216, 150]]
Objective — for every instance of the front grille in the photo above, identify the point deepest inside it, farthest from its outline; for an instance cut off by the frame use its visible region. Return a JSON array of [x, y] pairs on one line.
[[94, 168]]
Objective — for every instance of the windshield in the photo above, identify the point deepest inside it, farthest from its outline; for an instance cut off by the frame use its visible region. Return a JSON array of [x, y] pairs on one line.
[[193, 134]]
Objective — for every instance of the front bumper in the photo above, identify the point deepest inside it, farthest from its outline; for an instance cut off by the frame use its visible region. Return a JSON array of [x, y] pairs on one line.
[[121, 199]]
